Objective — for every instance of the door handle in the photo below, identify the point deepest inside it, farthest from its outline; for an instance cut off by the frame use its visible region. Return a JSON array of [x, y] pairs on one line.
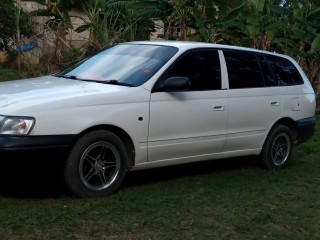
[[218, 108], [274, 103]]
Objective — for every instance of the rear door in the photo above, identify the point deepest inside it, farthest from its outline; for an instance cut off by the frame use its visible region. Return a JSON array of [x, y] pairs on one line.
[[255, 101]]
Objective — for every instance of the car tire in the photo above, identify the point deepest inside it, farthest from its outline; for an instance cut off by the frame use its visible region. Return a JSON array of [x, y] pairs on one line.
[[277, 149], [96, 165]]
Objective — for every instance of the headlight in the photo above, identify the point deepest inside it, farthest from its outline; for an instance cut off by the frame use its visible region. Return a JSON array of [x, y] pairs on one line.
[[16, 125]]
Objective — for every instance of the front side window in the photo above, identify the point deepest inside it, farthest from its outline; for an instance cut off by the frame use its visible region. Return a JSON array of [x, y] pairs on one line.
[[284, 70], [243, 70], [202, 67], [132, 64]]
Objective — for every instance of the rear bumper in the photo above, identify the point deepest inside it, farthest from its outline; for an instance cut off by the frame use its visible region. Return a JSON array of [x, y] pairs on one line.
[[35, 145], [306, 129]]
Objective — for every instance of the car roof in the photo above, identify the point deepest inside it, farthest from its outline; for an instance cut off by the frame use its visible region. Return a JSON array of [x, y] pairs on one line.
[[186, 45], [182, 44]]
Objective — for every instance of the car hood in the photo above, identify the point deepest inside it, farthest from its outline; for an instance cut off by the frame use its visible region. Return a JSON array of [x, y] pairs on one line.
[[46, 93]]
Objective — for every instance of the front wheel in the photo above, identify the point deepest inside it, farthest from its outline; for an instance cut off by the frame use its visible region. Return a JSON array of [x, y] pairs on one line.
[[277, 149], [96, 165]]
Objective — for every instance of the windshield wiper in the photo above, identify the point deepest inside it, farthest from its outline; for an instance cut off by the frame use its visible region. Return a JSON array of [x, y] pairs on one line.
[[116, 82], [112, 82], [67, 76]]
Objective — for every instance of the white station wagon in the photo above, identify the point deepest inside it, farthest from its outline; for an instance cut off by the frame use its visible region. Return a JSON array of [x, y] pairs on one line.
[[142, 105]]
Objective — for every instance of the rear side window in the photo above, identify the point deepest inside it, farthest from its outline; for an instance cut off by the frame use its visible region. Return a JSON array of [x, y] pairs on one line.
[[243, 70], [269, 79], [284, 70]]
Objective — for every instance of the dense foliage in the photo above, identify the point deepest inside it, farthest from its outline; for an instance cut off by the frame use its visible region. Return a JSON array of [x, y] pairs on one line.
[[8, 27]]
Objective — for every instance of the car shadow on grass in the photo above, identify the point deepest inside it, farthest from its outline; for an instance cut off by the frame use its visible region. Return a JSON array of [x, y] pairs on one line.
[[31, 178], [41, 179], [148, 176]]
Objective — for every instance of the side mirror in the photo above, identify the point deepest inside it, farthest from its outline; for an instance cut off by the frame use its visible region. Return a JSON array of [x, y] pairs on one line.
[[175, 84]]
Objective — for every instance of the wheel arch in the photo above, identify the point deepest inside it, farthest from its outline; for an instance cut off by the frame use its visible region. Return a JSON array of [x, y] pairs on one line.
[[122, 134], [290, 123]]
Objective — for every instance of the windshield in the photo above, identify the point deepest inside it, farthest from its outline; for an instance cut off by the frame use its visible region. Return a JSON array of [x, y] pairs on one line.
[[125, 63]]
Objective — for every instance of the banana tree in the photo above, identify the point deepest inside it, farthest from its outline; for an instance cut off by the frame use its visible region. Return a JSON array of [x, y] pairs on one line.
[[234, 22], [253, 11], [294, 30], [110, 21], [217, 23]]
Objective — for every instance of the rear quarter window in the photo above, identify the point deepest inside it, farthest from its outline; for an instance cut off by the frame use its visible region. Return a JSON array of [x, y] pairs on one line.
[[284, 71]]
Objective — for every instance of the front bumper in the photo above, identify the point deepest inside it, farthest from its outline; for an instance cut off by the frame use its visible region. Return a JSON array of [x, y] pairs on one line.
[[306, 129], [35, 145]]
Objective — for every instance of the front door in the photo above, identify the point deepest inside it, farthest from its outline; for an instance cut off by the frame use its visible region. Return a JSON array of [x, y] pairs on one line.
[[189, 124]]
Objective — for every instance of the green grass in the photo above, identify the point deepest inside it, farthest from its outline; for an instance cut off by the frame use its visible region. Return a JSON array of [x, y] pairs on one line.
[[229, 199]]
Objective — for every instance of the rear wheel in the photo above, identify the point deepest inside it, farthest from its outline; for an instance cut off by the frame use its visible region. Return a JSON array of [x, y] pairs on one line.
[[277, 149], [96, 165]]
